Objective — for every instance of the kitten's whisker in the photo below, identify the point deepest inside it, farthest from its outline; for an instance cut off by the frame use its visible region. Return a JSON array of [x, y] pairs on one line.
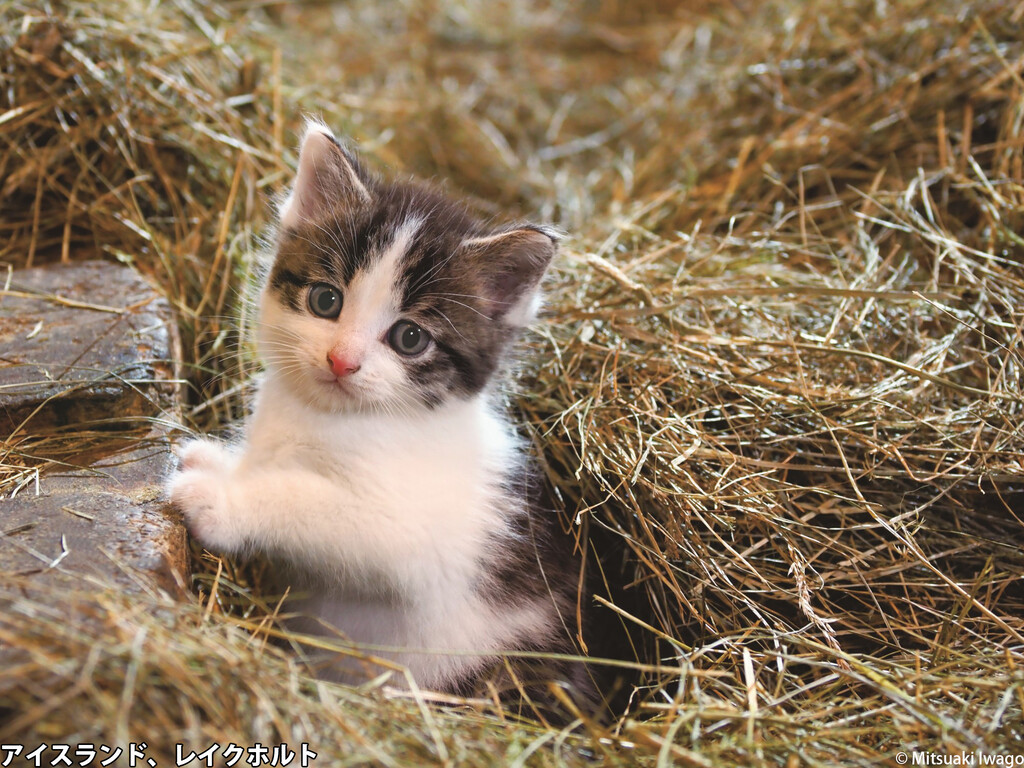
[[334, 239], [279, 328], [319, 246], [460, 295], [461, 304], [448, 320], [280, 346], [422, 282]]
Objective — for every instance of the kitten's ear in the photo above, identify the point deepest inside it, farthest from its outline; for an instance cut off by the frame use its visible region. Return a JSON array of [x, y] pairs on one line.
[[511, 265], [328, 175]]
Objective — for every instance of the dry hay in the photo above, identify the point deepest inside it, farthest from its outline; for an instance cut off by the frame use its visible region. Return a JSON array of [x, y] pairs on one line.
[[779, 381]]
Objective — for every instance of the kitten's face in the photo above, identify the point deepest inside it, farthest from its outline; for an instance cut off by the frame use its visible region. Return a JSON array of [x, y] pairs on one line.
[[388, 297]]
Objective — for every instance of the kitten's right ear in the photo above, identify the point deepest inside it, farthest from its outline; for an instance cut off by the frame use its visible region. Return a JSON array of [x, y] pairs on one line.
[[328, 175]]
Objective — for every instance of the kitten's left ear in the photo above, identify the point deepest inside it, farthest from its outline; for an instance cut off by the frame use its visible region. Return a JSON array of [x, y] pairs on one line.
[[328, 175], [511, 265]]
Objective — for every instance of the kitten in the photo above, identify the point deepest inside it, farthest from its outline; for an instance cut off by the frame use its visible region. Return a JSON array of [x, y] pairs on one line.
[[377, 466]]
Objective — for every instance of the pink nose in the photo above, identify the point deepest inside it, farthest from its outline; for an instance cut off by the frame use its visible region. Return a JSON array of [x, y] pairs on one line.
[[341, 365]]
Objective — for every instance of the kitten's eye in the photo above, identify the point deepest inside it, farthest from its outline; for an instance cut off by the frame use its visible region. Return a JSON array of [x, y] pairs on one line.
[[407, 338], [324, 301]]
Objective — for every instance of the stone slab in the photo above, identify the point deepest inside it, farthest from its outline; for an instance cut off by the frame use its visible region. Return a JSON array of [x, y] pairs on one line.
[[90, 347], [82, 342], [105, 523]]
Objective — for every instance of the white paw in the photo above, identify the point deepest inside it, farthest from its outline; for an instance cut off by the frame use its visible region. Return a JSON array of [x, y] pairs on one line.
[[202, 497], [206, 454]]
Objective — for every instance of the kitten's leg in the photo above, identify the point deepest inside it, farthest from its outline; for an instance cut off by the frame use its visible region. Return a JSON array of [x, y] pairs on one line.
[[202, 496], [204, 453], [295, 513], [205, 467]]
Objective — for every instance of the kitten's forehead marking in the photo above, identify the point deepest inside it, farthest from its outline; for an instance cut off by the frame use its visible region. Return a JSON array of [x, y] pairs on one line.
[[374, 293]]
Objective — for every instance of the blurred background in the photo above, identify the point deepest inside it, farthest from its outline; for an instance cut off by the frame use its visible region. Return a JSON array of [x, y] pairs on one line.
[[777, 387]]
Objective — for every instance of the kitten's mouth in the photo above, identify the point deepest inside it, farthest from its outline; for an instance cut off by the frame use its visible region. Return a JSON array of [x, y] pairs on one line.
[[335, 384], [334, 395], [341, 385]]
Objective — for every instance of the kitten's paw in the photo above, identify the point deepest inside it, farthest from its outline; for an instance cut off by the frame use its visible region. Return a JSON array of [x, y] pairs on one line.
[[205, 454], [202, 497]]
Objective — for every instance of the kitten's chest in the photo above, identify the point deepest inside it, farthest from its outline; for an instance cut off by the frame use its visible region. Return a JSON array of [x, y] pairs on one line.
[[442, 469], [399, 468]]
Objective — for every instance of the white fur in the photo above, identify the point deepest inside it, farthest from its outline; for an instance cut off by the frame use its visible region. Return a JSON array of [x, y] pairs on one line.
[[395, 512], [393, 505]]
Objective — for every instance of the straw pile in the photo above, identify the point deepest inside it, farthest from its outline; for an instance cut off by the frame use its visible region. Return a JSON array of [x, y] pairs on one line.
[[778, 387]]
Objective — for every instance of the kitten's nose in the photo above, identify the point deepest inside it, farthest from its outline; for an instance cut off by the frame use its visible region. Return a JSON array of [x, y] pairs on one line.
[[341, 365]]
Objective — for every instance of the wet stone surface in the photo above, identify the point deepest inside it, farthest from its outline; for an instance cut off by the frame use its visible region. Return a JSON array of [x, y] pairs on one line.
[[88, 348]]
